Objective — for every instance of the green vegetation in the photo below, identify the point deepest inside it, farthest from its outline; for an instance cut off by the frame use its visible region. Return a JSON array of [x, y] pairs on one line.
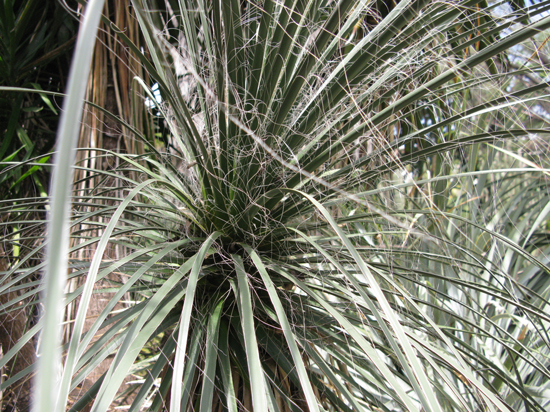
[[321, 206]]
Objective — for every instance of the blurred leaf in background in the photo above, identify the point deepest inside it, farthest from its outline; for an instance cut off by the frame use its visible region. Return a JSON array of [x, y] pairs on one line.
[[36, 41]]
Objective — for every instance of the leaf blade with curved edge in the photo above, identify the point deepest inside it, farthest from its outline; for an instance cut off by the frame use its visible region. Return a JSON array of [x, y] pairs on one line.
[[120, 293], [225, 366], [414, 371], [192, 365], [74, 343], [130, 347], [295, 352], [185, 320], [46, 387], [366, 346], [257, 382], [133, 344], [212, 354]]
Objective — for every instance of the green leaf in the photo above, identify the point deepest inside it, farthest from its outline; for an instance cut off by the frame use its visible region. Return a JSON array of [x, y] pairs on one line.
[[185, 320], [295, 352], [45, 392], [257, 383]]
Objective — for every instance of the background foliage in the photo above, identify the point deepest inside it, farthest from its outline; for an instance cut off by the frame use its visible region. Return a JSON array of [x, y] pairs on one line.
[[312, 205]]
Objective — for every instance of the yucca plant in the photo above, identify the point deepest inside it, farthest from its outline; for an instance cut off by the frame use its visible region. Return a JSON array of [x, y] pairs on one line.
[[331, 217]]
